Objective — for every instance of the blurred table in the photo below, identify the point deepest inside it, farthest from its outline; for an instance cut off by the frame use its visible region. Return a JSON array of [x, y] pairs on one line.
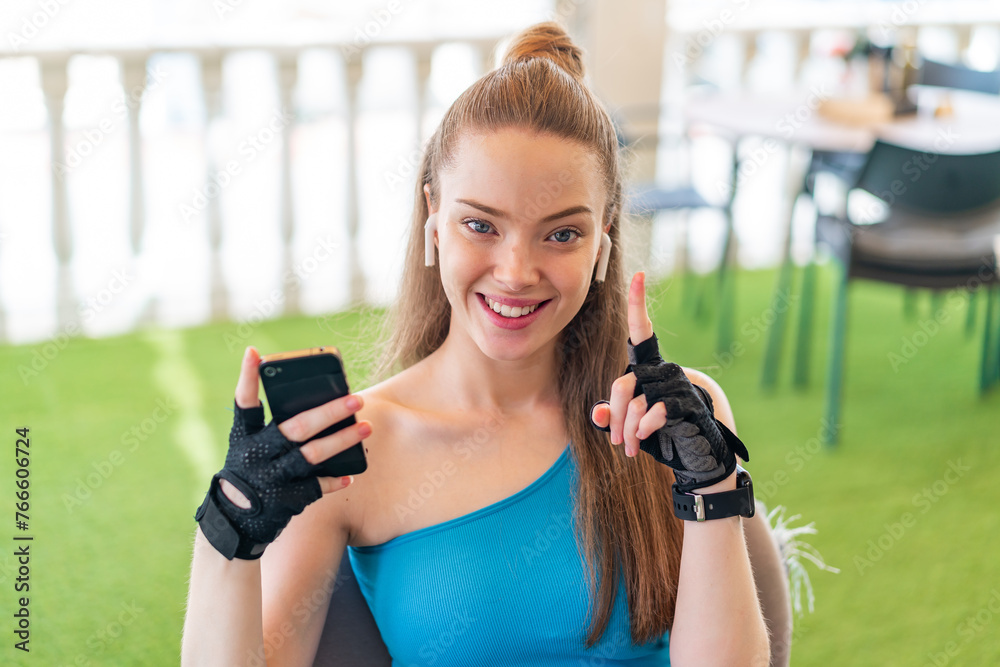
[[793, 118]]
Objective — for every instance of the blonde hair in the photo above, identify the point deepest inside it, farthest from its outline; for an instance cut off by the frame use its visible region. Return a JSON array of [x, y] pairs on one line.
[[623, 506]]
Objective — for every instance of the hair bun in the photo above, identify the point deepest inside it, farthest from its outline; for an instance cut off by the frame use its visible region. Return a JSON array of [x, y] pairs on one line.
[[546, 40]]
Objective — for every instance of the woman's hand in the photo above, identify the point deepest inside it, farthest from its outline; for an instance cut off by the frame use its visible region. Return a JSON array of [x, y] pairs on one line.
[[268, 478], [680, 429], [303, 426], [626, 414]]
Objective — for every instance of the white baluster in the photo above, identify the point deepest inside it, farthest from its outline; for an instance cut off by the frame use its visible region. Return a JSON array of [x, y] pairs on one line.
[[963, 37], [357, 276], [802, 41], [211, 82], [288, 65], [133, 73], [422, 56], [54, 83], [685, 60], [749, 54]]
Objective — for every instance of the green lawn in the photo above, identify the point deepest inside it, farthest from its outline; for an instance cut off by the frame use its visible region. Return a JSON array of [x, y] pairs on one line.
[[125, 431]]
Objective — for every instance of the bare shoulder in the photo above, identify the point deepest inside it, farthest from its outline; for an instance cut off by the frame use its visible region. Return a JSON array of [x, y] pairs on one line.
[[382, 405], [723, 411]]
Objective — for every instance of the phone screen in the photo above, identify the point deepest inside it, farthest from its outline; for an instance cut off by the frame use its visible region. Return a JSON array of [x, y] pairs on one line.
[[304, 379]]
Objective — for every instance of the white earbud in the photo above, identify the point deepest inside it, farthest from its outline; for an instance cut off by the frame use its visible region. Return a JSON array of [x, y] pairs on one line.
[[602, 263], [429, 228]]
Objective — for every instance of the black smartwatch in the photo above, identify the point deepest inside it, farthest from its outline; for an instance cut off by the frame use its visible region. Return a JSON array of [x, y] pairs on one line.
[[704, 507]]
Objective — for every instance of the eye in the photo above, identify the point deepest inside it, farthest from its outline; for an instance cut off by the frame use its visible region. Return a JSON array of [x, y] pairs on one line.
[[478, 226], [565, 235]]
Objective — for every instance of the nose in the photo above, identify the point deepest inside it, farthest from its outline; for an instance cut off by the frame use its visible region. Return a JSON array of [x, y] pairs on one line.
[[515, 265]]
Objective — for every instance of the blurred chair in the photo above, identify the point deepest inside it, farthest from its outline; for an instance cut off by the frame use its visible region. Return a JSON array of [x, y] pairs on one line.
[[846, 167], [646, 199], [933, 73], [941, 232], [351, 638]]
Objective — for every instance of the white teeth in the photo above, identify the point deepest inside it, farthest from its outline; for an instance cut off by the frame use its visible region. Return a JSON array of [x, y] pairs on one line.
[[508, 311]]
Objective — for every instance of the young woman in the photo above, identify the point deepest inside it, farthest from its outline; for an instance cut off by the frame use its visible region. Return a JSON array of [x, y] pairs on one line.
[[497, 523]]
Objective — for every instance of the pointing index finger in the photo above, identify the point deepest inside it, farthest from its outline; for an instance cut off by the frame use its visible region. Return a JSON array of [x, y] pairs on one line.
[[639, 325]]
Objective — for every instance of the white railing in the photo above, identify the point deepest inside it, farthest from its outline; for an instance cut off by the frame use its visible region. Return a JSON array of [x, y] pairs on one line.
[[695, 26], [52, 71], [693, 31]]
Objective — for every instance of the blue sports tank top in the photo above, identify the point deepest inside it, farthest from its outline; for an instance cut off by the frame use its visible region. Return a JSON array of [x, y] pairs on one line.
[[503, 585]]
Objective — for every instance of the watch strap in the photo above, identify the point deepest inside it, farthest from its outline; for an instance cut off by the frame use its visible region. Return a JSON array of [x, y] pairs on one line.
[[220, 532], [693, 506]]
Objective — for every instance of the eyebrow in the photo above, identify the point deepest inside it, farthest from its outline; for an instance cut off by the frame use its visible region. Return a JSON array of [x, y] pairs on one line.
[[489, 210]]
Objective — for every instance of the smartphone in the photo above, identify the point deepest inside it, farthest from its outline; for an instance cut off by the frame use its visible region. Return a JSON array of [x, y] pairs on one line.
[[304, 379]]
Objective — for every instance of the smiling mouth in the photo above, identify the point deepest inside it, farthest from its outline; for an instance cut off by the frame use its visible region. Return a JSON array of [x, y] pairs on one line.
[[509, 311]]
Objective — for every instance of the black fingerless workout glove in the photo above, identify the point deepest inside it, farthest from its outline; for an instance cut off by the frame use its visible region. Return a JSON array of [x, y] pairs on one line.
[[700, 449], [274, 476]]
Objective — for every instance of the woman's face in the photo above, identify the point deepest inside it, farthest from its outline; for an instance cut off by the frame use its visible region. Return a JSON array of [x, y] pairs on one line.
[[518, 223]]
